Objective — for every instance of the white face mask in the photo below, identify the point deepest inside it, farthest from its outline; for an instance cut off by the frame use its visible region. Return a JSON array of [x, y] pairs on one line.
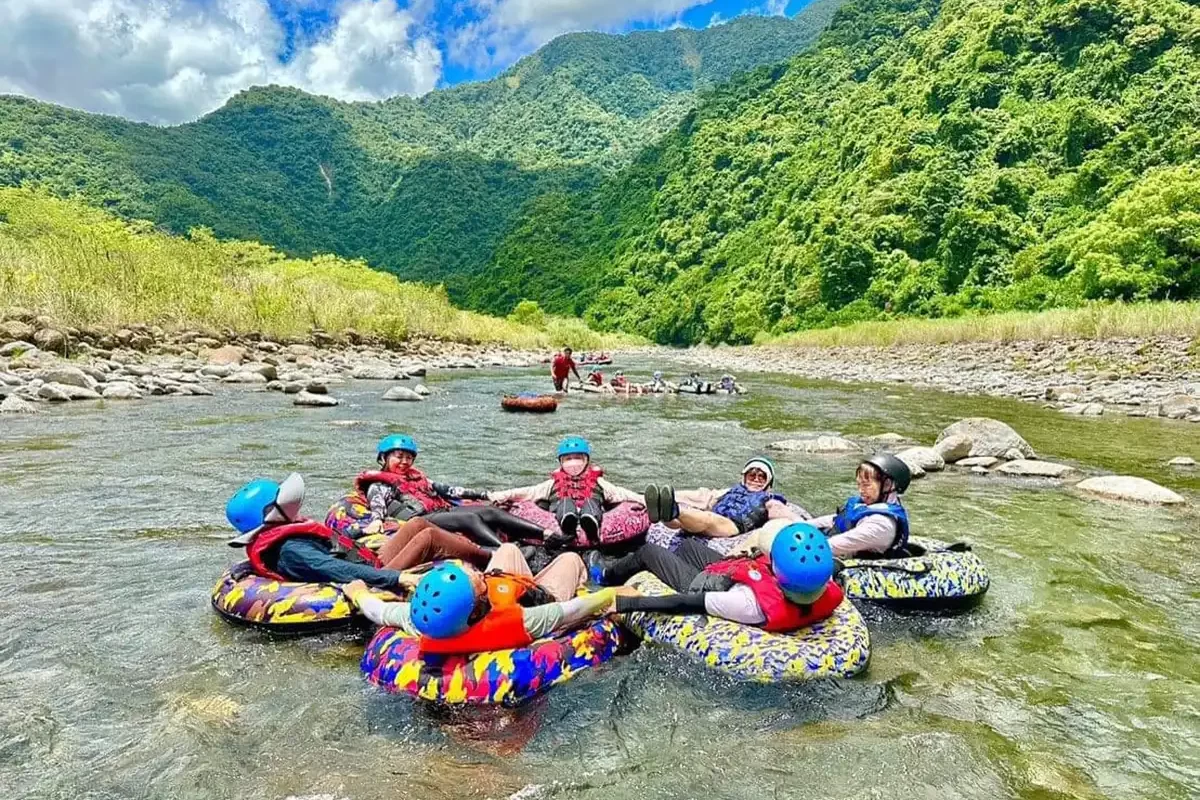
[[573, 465]]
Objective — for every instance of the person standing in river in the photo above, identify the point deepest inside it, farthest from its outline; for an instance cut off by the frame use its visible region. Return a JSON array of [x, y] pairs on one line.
[[561, 368]]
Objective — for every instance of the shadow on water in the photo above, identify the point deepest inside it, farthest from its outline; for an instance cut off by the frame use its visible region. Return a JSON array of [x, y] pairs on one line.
[[1075, 678]]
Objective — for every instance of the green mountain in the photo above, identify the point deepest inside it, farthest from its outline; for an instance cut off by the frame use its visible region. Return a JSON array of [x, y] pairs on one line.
[[423, 187], [924, 158]]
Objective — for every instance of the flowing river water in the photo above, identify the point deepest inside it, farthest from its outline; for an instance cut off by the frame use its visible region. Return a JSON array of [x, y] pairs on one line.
[[1078, 676]]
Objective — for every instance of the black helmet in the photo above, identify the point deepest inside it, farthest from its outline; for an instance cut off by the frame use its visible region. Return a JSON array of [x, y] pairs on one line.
[[894, 468]]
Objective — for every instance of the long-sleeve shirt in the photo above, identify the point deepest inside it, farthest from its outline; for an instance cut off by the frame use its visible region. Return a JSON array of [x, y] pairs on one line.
[[873, 534], [380, 495], [309, 561], [540, 492], [540, 621]]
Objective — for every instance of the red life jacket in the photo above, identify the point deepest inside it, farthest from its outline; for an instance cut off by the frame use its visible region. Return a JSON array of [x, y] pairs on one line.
[[412, 483], [262, 548], [502, 628], [783, 616], [580, 488]]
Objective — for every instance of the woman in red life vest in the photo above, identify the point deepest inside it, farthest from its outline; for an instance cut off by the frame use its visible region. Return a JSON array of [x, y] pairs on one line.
[[400, 491], [459, 610], [576, 492], [788, 589]]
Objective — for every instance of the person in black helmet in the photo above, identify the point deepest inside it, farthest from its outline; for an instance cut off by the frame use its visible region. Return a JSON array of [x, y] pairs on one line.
[[872, 522]]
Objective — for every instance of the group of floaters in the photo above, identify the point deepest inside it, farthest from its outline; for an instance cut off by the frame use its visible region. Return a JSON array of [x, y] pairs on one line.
[[563, 365], [446, 573]]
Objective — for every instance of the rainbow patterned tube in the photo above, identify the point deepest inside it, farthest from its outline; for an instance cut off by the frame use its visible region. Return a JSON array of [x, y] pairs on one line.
[[393, 662], [838, 647], [621, 523]]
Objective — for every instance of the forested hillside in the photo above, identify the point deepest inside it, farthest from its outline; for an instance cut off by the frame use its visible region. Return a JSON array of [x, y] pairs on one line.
[[424, 187], [925, 158]]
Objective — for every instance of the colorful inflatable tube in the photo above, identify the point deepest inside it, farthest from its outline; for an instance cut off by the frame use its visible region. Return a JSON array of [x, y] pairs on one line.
[[393, 662], [838, 647], [621, 523], [936, 576]]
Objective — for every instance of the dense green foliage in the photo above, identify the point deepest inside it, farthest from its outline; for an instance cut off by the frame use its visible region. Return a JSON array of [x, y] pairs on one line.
[[924, 159], [423, 187]]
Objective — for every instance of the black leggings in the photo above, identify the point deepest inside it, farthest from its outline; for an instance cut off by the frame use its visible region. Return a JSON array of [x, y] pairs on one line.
[[676, 570], [482, 522]]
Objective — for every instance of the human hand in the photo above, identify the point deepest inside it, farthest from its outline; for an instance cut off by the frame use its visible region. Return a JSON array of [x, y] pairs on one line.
[[354, 589], [372, 529]]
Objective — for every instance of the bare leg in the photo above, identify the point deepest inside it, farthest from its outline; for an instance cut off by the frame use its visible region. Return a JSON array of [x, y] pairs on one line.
[[564, 576], [706, 523], [508, 558]]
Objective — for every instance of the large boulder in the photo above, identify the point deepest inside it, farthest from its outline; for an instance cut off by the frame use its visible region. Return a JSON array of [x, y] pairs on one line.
[[954, 448], [924, 458], [51, 340], [1127, 487], [816, 444], [268, 371], [377, 372], [315, 400], [1179, 406], [229, 354], [15, 405], [71, 376], [14, 330], [121, 390], [217, 370], [245, 377], [1030, 468], [989, 437], [981, 462], [60, 392], [16, 348], [402, 394]]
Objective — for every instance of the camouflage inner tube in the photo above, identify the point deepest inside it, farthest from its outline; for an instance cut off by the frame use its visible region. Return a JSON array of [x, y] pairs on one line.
[[838, 647], [937, 576], [393, 662]]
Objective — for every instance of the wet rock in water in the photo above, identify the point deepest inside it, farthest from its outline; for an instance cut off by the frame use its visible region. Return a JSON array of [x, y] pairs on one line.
[[14, 330], [925, 458], [1182, 461], [9, 379], [268, 371], [315, 400], [1180, 406], [51, 340], [1083, 409], [1034, 469], [121, 390], [294, 387], [317, 387], [69, 376], [377, 372], [1128, 487], [989, 437], [816, 444], [15, 405], [245, 377], [196, 390], [401, 393], [421, 389], [954, 448], [982, 462], [416, 372], [61, 392], [890, 438], [217, 370], [275, 386], [979, 470], [17, 348], [228, 355]]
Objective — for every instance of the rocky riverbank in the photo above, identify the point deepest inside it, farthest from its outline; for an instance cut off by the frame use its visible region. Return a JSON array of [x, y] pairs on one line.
[[42, 362], [1157, 377]]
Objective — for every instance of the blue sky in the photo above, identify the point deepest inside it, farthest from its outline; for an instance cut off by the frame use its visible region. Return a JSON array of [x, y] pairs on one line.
[[171, 61]]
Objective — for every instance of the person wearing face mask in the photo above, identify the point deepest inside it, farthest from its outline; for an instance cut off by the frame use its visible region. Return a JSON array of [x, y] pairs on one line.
[[576, 493], [720, 514], [729, 385], [398, 492], [872, 522]]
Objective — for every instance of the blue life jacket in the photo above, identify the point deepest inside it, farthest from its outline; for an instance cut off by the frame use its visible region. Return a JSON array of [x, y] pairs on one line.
[[739, 503], [856, 510]]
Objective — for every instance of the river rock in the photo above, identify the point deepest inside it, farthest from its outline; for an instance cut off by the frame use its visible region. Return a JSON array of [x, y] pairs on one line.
[[121, 390], [889, 438], [401, 393], [421, 389], [245, 377], [1083, 409], [989, 437], [61, 392], [1182, 461], [17, 348], [1034, 469], [13, 330], [196, 390], [1180, 406], [954, 448], [294, 387], [316, 387], [268, 371], [982, 462], [15, 405], [51, 340], [70, 376], [229, 354], [1128, 487], [315, 400], [9, 379], [217, 370], [816, 444], [377, 372], [925, 458]]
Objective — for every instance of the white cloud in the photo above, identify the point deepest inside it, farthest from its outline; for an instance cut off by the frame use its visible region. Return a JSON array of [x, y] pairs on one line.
[[173, 60], [776, 8], [508, 29]]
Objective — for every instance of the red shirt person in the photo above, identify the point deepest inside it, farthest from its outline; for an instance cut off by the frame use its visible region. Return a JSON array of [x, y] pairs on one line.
[[561, 369]]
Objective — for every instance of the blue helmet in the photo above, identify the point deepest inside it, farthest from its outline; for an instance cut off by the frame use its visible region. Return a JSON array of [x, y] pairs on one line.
[[802, 561], [574, 445], [397, 441], [443, 602], [247, 510]]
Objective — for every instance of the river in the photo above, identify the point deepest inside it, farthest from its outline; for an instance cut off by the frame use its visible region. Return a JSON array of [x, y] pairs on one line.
[[1076, 678]]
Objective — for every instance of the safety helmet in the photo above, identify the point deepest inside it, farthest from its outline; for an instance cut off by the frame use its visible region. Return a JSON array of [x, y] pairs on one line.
[[443, 601], [397, 441], [261, 501], [802, 561], [892, 467], [658, 375], [574, 445]]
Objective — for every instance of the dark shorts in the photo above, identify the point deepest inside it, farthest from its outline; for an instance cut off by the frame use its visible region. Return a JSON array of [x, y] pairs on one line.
[[560, 383]]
